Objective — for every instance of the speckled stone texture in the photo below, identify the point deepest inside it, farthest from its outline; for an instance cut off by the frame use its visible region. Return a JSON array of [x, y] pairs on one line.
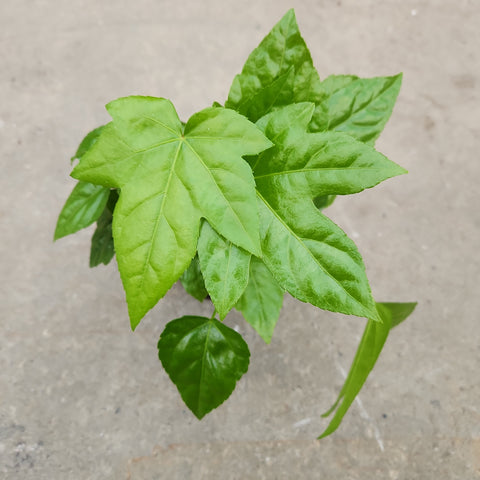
[[82, 397]]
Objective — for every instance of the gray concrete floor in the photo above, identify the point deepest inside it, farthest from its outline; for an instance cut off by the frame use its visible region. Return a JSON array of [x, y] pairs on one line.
[[81, 397]]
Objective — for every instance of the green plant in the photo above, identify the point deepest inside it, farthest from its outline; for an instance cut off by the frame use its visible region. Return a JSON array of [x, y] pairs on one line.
[[230, 202]]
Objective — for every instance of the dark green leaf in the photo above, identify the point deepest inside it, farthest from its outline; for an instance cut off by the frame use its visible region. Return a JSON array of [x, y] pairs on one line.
[[224, 268], [371, 345], [324, 201], [84, 205], [261, 301], [170, 177], [102, 249], [359, 107], [192, 280], [278, 72], [204, 359]]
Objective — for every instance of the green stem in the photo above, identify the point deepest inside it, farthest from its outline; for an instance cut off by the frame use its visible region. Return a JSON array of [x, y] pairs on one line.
[[214, 313]]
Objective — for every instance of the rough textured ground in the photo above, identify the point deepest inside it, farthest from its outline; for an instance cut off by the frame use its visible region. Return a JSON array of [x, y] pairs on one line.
[[81, 397]]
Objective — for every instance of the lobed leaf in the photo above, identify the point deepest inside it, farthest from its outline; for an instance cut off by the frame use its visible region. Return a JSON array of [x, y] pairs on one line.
[[309, 255], [169, 179], [368, 351], [204, 359], [224, 268]]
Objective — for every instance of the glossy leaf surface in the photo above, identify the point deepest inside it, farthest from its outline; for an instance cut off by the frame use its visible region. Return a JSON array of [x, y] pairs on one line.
[[224, 268], [84, 205], [170, 177], [359, 107], [278, 72], [368, 351], [204, 359], [307, 253], [192, 280], [102, 249], [262, 300]]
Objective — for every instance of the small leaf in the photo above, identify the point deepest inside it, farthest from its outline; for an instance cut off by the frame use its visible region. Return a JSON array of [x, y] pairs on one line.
[[204, 359], [324, 201], [262, 300], [278, 72], [192, 280], [87, 143], [102, 249], [170, 177], [84, 205], [371, 345], [224, 268], [359, 107]]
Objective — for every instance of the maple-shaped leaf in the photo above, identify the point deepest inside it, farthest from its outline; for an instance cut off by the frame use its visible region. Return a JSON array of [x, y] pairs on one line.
[[310, 256], [278, 72], [170, 177]]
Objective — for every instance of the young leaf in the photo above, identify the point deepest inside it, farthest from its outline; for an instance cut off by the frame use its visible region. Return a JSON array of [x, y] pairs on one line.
[[84, 205], [324, 201], [169, 179], [262, 300], [102, 249], [371, 345], [278, 72], [192, 280], [87, 143], [224, 268], [204, 359], [358, 106]]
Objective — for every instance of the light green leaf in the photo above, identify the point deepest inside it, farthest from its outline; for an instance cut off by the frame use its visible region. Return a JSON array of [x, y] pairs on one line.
[[262, 300], [371, 345], [313, 164], [169, 179], [84, 205], [204, 359], [192, 280], [308, 254], [278, 72], [312, 258], [102, 249], [224, 268], [359, 107]]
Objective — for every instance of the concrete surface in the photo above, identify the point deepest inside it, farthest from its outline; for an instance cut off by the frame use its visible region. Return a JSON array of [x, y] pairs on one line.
[[81, 397]]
